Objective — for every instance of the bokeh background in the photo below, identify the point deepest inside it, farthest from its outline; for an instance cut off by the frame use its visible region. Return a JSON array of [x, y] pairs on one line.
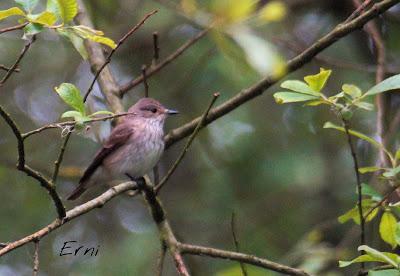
[[284, 177]]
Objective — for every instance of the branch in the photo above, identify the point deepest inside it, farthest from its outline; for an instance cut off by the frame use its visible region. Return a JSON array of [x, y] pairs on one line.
[[154, 69], [21, 165], [72, 123], [236, 243], [240, 257], [120, 42], [13, 28], [36, 259], [80, 210], [188, 143], [161, 258], [5, 68], [358, 183], [292, 65], [166, 234], [15, 65]]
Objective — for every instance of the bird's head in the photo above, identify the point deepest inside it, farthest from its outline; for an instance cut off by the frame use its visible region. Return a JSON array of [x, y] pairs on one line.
[[149, 108]]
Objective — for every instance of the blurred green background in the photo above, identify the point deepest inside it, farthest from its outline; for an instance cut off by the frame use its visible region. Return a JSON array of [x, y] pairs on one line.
[[285, 178]]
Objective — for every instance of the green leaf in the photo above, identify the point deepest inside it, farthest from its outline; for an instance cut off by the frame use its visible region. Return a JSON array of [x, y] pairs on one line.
[[369, 169], [353, 214], [45, 18], [316, 103], [11, 12], [317, 82], [32, 29], [291, 97], [397, 156], [397, 233], [392, 172], [386, 272], [387, 228], [386, 85], [369, 191], [352, 90], [299, 86], [384, 257], [359, 135], [78, 117], [71, 96], [364, 105], [77, 41], [103, 40], [28, 5], [359, 259], [94, 35], [101, 112], [66, 10]]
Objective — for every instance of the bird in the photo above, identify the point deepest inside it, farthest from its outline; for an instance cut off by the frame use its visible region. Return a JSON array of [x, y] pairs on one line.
[[133, 148]]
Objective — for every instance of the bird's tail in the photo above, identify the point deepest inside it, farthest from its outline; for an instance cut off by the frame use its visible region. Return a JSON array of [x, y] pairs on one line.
[[77, 192]]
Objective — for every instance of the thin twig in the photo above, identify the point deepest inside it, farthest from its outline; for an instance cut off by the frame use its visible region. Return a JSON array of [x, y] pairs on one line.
[[15, 65], [384, 199], [156, 49], [5, 68], [188, 143], [240, 257], [59, 160], [128, 86], [236, 243], [146, 85], [73, 123], [120, 42], [80, 210], [21, 165], [361, 8], [13, 28], [358, 179], [292, 65], [161, 258], [36, 259]]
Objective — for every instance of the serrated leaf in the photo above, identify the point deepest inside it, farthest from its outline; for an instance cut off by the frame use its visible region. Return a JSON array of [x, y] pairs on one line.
[[386, 85], [103, 40], [66, 10], [369, 191], [291, 97], [384, 257], [71, 96], [101, 112], [28, 5], [387, 228], [77, 41], [352, 90], [369, 169], [317, 82], [32, 29], [299, 86], [11, 12], [46, 18]]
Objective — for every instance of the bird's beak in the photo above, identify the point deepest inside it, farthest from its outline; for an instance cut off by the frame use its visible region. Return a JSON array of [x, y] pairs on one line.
[[171, 112]]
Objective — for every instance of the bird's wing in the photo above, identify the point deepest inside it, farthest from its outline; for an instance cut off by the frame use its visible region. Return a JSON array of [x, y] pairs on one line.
[[118, 137]]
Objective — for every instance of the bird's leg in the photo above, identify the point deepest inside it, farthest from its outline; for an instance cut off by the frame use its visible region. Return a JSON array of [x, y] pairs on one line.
[[140, 181]]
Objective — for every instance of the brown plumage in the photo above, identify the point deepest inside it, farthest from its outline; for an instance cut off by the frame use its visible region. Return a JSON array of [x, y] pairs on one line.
[[134, 146]]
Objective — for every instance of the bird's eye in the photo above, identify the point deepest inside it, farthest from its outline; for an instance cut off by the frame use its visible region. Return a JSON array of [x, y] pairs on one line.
[[154, 110]]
